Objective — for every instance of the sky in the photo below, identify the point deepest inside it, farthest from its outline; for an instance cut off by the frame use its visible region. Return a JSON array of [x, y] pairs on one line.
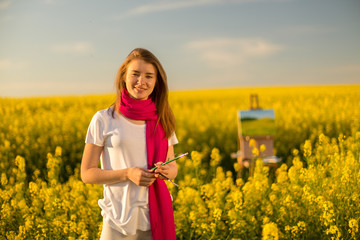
[[75, 47]]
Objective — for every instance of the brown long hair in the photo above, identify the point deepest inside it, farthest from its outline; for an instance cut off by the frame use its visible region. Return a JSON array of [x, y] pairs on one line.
[[159, 94]]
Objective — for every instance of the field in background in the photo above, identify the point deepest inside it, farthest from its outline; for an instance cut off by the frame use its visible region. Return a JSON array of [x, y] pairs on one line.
[[258, 127], [315, 193]]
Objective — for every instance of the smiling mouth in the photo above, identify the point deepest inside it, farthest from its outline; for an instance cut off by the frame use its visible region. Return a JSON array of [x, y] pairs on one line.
[[140, 89]]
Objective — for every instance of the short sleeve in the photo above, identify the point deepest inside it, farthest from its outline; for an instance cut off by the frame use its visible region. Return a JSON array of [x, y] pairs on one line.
[[173, 139], [95, 132]]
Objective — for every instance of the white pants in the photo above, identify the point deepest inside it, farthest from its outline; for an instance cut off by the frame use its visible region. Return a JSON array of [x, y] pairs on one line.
[[108, 233]]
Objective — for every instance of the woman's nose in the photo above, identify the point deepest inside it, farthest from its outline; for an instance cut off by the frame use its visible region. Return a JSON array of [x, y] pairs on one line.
[[140, 80]]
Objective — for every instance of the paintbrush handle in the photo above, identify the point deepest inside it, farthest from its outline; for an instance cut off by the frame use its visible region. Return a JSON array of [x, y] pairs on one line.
[[184, 154]]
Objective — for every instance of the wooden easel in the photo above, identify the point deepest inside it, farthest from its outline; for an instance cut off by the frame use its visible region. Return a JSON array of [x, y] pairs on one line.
[[254, 102], [244, 155]]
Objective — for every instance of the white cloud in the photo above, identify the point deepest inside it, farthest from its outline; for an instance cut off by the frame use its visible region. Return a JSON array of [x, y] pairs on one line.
[[77, 48], [164, 6], [173, 5], [4, 4], [4, 19], [306, 29], [6, 64], [346, 69], [232, 51], [48, 88]]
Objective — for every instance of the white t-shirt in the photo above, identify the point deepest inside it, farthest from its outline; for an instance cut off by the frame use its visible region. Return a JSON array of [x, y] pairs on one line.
[[125, 205]]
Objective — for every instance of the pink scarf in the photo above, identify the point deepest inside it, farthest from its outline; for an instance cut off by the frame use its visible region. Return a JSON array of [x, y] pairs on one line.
[[160, 203]]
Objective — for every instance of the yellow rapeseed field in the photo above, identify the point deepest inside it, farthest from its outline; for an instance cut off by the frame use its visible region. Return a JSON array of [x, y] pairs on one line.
[[314, 194]]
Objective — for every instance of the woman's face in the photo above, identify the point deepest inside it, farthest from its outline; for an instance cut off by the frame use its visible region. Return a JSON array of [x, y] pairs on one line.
[[140, 79]]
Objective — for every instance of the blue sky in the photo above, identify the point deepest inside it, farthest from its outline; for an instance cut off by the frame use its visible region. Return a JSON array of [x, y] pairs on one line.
[[263, 113], [63, 47]]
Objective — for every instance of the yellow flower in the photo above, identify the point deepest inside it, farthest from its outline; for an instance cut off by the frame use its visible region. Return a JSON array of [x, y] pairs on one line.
[[307, 148], [301, 225], [33, 188], [239, 182], [353, 224], [266, 220], [204, 226], [58, 151], [20, 163], [295, 152], [294, 231], [333, 230], [255, 152], [270, 231], [252, 143], [322, 138], [217, 214], [354, 228], [357, 136], [215, 157], [4, 179], [22, 204], [262, 148], [196, 159], [272, 197], [236, 167], [7, 144], [33, 208], [282, 176]]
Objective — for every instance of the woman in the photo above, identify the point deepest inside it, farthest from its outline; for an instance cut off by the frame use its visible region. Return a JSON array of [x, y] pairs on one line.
[[135, 134]]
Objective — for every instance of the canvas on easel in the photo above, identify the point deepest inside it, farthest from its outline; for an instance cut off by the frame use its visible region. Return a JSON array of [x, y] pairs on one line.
[[257, 124]]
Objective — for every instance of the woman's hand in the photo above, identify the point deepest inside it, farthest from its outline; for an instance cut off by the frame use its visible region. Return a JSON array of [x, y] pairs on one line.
[[162, 171], [141, 176], [168, 171]]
